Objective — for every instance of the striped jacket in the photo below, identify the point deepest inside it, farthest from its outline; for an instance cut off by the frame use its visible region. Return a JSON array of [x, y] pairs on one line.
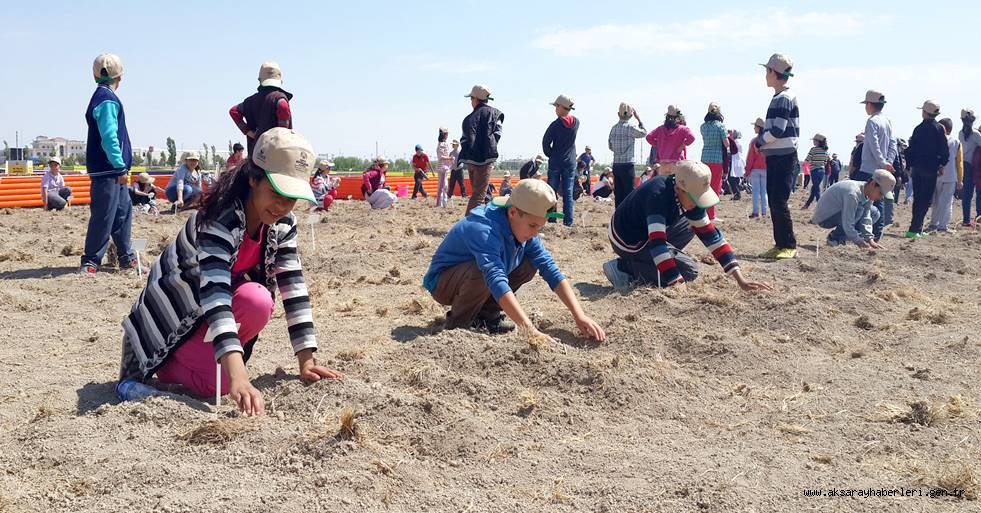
[[641, 222], [779, 136], [191, 283]]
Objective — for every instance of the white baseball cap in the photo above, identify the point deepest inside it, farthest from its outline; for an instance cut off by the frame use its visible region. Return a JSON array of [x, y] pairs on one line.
[[886, 181], [107, 67], [780, 63], [531, 196], [287, 158], [270, 74], [695, 178]]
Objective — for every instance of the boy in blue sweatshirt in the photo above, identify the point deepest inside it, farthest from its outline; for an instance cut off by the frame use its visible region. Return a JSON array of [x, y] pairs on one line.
[[108, 157], [489, 254], [559, 145], [778, 142]]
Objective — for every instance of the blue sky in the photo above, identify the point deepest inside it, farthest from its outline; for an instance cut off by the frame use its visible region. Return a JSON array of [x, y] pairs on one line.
[[393, 72]]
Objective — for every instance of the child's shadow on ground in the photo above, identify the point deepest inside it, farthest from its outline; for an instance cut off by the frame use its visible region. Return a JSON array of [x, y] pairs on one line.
[[42, 272], [573, 340], [592, 291]]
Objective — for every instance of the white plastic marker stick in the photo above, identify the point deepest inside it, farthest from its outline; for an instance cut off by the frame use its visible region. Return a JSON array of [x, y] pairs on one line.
[[137, 246], [313, 219], [217, 387]]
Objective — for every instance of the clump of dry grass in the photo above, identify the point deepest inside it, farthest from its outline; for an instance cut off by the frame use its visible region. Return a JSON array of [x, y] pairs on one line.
[[536, 340], [410, 230], [529, 402], [382, 468], [349, 428], [216, 432], [556, 495], [381, 312], [958, 477], [863, 322], [419, 376], [925, 414], [43, 412], [413, 307], [350, 306], [792, 429], [352, 354]]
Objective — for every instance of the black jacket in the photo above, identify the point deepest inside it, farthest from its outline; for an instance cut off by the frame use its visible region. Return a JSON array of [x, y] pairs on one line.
[[928, 150], [481, 133]]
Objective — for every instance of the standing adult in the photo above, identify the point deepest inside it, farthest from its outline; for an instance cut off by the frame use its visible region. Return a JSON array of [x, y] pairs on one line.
[[444, 163], [949, 182], [531, 168], [715, 142], [586, 160], [108, 157], [478, 145], [456, 173], [54, 194], [878, 151], [970, 141], [835, 173], [669, 142], [928, 153], [269, 107], [855, 160], [559, 145], [621, 143]]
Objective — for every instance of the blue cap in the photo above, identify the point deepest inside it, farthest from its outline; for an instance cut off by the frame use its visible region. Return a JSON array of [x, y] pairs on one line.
[[418, 147]]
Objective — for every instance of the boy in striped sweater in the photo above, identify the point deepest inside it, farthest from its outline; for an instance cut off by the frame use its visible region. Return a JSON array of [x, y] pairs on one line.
[[655, 222], [778, 141]]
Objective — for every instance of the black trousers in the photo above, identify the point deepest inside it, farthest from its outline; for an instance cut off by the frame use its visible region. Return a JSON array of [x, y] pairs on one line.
[[779, 182], [623, 182], [924, 185], [456, 176]]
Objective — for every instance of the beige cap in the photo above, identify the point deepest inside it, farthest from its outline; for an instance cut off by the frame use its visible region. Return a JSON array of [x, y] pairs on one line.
[[695, 179], [381, 160], [564, 101], [479, 92], [287, 158], [780, 63], [444, 130], [760, 122], [967, 113], [859, 137], [270, 74], [507, 174], [673, 111], [54, 159], [931, 107], [873, 96], [886, 181], [144, 178], [819, 137], [714, 107], [531, 196], [325, 163], [625, 110], [539, 158], [107, 67], [455, 142], [191, 155]]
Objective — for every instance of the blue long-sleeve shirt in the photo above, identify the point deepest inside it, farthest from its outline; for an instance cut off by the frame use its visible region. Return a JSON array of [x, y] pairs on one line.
[[485, 236], [108, 151]]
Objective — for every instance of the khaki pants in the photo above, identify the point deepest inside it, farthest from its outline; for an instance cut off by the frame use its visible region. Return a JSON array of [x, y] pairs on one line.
[[463, 289], [479, 178]]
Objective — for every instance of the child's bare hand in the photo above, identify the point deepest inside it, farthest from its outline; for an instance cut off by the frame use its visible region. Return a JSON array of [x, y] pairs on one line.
[[317, 372], [247, 397]]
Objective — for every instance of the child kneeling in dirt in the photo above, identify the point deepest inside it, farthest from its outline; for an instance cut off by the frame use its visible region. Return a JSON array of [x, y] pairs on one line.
[[656, 221], [847, 206], [212, 290], [489, 254]]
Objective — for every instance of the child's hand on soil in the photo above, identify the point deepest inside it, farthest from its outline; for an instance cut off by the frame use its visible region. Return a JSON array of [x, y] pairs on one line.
[[589, 328], [315, 373], [247, 397]]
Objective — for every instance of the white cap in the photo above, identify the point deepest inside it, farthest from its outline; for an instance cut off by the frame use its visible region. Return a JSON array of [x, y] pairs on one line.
[[886, 181], [287, 158], [625, 110], [780, 63], [270, 74]]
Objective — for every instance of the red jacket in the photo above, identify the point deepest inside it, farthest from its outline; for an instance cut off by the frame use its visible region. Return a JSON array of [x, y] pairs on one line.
[[420, 161], [754, 159], [372, 180]]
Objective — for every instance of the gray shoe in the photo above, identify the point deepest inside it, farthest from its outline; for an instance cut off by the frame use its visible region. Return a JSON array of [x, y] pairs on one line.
[[619, 279]]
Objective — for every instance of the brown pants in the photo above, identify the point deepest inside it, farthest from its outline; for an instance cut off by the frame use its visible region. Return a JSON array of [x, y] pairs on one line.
[[479, 178], [463, 289]]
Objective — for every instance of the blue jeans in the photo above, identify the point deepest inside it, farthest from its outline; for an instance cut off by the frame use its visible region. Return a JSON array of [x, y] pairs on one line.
[[816, 179], [111, 216], [757, 180], [967, 194], [838, 234], [190, 193], [561, 177]]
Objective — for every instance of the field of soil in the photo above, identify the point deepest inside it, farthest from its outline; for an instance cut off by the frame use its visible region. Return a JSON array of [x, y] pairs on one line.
[[858, 372]]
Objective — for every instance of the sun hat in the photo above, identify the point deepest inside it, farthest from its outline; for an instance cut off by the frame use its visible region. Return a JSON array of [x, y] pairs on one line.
[[714, 107], [107, 67], [444, 130], [673, 111], [480, 92], [456, 142], [819, 137], [55, 160], [873, 96], [270, 74], [507, 174], [760, 122], [967, 113], [886, 181], [531, 196], [325, 163], [287, 158], [539, 158], [625, 110], [191, 155], [931, 107], [780, 63], [564, 101], [380, 160], [144, 178], [695, 179]]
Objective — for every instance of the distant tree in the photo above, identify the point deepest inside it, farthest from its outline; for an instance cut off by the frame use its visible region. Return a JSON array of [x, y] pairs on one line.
[[342, 163], [6, 150], [400, 164], [204, 154], [171, 152], [137, 159], [216, 159]]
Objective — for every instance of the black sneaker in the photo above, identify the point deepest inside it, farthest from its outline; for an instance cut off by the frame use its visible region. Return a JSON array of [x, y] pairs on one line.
[[494, 326]]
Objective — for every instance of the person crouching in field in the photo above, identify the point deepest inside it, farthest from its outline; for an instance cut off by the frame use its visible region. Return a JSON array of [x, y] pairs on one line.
[[54, 194], [492, 252], [848, 207], [143, 193], [651, 227], [212, 290]]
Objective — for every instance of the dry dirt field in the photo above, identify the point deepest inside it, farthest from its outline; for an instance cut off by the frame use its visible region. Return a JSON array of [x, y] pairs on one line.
[[858, 372]]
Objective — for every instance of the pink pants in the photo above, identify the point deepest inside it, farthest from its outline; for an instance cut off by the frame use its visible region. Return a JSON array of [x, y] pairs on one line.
[[716, 184], [329, 198], [193, 364]]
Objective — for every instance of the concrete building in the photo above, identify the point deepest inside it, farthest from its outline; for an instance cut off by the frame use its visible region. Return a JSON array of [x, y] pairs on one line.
[[43, 147]]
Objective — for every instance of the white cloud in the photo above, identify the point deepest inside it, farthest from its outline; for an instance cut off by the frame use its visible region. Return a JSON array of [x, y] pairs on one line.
[[725, 30], [457, 67]]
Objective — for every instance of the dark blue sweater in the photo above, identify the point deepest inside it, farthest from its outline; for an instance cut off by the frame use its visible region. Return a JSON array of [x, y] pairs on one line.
[[108, 151], [559, 144]]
